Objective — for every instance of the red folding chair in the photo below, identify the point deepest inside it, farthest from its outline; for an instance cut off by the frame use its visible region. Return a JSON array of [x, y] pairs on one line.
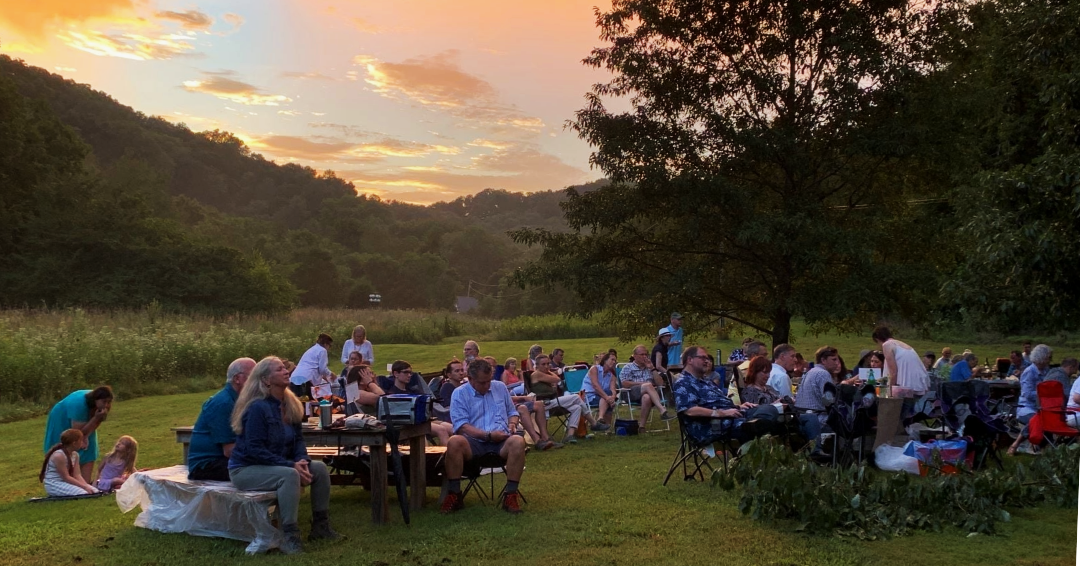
[[1049, 423]]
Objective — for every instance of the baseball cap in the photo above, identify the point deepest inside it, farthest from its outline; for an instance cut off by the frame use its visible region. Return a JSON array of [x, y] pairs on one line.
[[676, 315]]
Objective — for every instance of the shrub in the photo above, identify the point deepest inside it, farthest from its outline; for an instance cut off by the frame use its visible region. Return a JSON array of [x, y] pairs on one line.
[[857, 502]]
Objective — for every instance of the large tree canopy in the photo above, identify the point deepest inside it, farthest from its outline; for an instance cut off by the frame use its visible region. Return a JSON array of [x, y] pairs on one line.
[[767, 167], [1019, 64]]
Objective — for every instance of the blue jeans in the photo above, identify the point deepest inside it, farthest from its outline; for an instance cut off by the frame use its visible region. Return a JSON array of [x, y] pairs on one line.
[[811, 427]]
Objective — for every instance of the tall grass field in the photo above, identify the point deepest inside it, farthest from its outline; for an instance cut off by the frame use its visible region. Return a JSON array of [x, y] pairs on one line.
[[46, 354]]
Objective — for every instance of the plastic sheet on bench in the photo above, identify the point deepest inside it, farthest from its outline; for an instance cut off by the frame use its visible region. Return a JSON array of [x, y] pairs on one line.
[[171, 503]]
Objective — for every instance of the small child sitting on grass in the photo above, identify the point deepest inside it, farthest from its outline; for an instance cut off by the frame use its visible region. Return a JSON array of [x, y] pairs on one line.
[[117, 465], [60, 471]]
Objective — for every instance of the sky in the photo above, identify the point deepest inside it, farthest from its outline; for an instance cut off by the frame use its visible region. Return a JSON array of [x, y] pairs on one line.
[[411, 100]]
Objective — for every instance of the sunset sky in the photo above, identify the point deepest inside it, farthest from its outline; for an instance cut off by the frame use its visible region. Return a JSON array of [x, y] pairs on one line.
[[414, 100]]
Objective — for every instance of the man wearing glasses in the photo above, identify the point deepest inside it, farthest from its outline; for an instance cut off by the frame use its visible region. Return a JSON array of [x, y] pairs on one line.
[[642, 380], [713, 415]]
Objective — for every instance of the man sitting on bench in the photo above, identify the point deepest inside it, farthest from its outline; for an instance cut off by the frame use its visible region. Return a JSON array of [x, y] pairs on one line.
[[483, 417], [212, 438]]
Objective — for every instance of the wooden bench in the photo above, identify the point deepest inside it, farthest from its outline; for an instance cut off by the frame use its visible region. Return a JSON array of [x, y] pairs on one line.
[[324, 441]]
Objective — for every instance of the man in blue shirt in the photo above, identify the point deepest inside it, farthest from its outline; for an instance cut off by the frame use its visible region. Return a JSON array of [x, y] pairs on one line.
[[962, 370], [212, 439], [1017, 364], [713, 415], [484, 420], [674, 346]]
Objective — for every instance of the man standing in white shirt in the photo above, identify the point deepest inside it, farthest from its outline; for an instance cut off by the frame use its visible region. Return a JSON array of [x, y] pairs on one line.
[[783, 361], [311, 369]]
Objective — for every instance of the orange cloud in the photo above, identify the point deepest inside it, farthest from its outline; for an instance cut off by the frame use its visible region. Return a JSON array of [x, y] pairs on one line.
[[520, 167], [223, 86], [191, 20], [32, 18], [439, 83], [328, 149], [134, 46], [309, 75]]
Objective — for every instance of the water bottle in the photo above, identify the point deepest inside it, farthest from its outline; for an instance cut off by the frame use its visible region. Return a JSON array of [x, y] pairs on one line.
[[872, 381], [326, 415]]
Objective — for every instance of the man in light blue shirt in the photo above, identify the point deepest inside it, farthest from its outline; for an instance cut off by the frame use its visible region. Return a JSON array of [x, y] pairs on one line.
[[674, 351], [484, 420]]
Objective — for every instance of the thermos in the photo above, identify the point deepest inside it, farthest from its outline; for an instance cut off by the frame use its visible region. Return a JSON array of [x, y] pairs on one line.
[[326, 415]]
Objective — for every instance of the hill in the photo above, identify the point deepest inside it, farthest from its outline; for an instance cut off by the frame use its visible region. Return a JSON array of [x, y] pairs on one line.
[[317, 242]]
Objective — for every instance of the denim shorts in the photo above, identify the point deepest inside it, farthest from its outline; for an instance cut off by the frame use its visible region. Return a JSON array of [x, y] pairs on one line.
[[483, 448]]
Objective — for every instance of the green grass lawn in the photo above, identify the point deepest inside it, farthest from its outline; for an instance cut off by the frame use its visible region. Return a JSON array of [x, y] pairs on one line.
[[599, 502]]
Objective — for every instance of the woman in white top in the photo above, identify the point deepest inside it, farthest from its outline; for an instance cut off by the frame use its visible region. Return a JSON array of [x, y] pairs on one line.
[[903, 365], [358, 343]]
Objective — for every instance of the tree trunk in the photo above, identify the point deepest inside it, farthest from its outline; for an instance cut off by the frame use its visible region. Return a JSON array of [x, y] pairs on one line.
[[781, 332]]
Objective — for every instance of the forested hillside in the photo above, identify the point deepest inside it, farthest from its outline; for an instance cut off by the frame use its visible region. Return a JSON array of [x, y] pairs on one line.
[[106, 206]]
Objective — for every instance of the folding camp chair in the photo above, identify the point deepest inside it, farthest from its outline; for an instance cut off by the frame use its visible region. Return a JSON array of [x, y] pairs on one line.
[[622, 396], [1050, 423], [851, 418], [488, 466], [691, 455], [561, 414], [964, 408]]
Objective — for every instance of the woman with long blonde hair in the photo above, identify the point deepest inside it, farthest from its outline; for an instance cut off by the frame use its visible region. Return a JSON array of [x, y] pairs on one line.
[[270, 455]]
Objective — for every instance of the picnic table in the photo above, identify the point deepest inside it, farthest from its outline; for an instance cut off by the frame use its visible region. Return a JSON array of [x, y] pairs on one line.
[[315, 437], [1003, 387]]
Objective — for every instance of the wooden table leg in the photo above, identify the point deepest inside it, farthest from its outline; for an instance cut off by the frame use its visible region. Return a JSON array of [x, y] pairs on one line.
[[380, 508], [417, 472]]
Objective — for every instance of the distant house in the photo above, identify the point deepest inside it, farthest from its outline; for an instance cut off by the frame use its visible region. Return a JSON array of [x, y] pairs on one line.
[[466, 304]]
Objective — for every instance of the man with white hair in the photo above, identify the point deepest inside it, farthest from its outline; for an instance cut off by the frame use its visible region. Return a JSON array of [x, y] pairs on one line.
[[212, 438]]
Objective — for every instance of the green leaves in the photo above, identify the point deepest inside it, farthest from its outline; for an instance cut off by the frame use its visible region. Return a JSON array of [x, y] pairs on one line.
[[861, 503], [761, 174]]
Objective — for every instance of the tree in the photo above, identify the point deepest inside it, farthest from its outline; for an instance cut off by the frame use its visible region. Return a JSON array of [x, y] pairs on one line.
[[1021, 212], [761, 171]]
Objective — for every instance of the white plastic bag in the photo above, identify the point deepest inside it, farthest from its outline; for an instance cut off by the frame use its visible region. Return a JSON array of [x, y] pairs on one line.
[[892, 459]]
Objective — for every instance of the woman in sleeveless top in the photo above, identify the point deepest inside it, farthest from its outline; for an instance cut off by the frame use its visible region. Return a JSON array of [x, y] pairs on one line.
[[903, 365], [60, 472]]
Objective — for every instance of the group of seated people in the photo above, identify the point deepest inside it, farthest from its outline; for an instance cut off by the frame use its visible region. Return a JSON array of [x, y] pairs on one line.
[[249, 432]]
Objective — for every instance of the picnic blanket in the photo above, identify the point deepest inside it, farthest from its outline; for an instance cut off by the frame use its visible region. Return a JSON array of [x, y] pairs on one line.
[[171, 503], [68, 497]]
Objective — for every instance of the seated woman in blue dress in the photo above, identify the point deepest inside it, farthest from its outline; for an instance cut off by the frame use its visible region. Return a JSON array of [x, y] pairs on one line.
[[599, 388], [270, 454]]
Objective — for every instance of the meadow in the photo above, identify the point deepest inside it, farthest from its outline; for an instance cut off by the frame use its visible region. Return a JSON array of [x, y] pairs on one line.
[[47, 354], [598, 502]]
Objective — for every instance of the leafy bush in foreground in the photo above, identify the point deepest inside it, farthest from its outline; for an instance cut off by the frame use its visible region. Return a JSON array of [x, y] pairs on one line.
[[779, 484]]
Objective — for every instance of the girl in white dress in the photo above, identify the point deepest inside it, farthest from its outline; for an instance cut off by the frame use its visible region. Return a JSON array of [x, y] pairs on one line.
[[60, 472]]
